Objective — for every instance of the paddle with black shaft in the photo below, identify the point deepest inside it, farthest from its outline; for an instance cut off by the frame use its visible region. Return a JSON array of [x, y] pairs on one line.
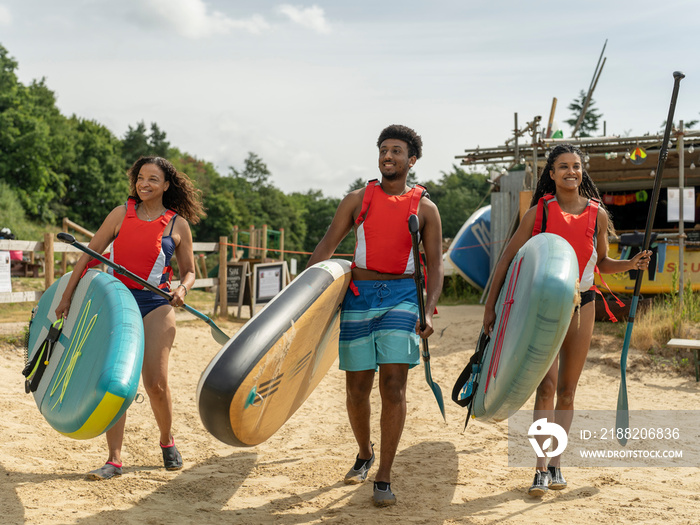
[[413, 226], [622, 419], [216, 332]]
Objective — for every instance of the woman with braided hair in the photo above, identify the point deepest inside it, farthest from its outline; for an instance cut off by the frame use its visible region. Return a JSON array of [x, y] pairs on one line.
[[566, 202], [147, 231]]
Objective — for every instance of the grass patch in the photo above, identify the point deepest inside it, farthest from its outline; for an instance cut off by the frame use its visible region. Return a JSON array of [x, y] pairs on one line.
[[666, 319], [455, 290]]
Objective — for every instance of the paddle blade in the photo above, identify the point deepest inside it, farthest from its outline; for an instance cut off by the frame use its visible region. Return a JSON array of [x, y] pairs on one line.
[[216, 332], [622, 417], [437, 392]]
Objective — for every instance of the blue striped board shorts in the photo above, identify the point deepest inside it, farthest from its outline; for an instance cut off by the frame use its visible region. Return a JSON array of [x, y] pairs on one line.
[[378, 326]]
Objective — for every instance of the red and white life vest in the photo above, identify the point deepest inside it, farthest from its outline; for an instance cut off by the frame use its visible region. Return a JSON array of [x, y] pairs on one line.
[[383, 240], [138, 247], [577, 230]]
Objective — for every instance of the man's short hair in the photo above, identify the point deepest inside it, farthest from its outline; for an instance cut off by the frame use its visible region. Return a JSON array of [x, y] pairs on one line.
[[410, 137]]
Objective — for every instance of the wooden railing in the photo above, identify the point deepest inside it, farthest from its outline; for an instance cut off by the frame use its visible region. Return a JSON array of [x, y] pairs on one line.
[[49, 248]]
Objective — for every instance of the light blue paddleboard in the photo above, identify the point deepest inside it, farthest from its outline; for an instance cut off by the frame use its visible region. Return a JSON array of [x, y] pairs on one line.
[[469, 252], [533, 313], [93, 373]]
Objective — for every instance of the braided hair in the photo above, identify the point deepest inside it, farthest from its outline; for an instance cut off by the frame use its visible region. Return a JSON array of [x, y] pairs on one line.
[[588, 189], [181, 196]]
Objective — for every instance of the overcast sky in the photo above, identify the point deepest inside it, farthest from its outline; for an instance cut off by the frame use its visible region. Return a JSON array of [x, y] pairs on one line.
[[308, 86]]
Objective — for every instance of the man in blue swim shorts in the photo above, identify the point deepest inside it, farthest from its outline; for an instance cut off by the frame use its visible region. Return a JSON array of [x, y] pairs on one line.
[[379, 326]]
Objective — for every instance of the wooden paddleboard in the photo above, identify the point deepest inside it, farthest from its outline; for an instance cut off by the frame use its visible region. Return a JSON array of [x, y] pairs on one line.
[[268, 369], [93, 373], [469, 252], [533, 313]]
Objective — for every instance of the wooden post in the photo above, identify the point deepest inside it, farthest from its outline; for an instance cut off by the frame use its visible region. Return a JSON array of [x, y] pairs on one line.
[[48, 260], [197, 270], [281, 244], [681, 233], [251, 242], [64, 264], [263, 243], [525, 197], [223, 310], [234, 241], [203, 262]]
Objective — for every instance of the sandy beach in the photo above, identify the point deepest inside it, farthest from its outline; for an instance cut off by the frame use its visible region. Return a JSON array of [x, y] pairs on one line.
[[441, 474]]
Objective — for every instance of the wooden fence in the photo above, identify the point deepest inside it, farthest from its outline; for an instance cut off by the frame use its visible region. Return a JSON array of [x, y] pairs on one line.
[[49, 248]]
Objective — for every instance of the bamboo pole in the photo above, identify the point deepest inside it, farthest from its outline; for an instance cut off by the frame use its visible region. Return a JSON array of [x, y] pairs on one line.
[[681, 226]]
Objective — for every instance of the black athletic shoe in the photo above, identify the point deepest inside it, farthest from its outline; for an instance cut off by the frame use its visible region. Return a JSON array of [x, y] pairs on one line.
[[108, 471], [558, 482], [358, 473], [541, 483], [172, 460]]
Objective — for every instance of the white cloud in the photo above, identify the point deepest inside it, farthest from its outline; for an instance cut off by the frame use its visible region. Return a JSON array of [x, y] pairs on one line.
[[5, 16], [192, 19], [310, 17]]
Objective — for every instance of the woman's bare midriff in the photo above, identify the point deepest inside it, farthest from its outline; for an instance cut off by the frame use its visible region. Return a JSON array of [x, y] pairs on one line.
[[362, 274]]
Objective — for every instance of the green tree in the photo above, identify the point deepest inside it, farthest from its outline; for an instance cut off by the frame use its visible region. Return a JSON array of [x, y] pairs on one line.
[[457, 195], [157, 142], [30, 141], [96, 176], [358, 183], [137, 142], [590, 120]]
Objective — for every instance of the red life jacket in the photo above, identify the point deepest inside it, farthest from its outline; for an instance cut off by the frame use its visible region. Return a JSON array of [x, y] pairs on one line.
[[577, 230], [383, 240], [138, 248]]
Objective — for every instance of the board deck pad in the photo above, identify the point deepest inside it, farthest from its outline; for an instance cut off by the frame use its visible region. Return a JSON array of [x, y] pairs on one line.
[[267, 370], [93, 374]]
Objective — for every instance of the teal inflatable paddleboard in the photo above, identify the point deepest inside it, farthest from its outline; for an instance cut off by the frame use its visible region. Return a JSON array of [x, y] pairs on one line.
[[84, 372], [533, 312]]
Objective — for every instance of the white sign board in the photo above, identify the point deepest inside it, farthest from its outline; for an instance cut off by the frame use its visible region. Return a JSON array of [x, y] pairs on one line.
[[5, 278], [674, 205]]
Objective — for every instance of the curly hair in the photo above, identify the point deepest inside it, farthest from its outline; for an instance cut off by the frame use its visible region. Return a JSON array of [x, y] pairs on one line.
[[410, 137], [181, 196], [588, 189]]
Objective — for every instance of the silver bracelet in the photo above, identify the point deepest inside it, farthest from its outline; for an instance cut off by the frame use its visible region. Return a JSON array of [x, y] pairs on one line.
[[185, 287]]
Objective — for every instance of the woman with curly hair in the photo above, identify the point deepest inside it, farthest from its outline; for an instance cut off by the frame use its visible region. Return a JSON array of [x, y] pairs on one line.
[[566, 202], [146, 232]]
